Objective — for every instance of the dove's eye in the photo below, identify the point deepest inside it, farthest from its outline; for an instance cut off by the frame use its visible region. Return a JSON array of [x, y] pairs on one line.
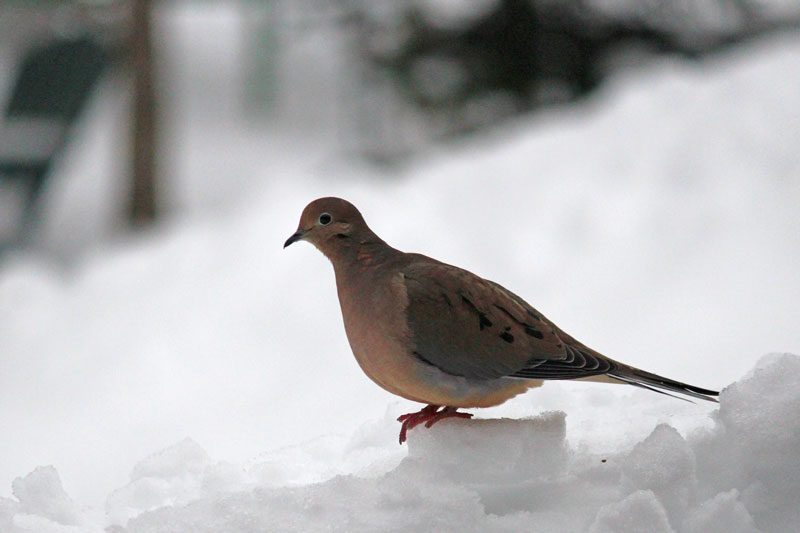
[[325, 219]]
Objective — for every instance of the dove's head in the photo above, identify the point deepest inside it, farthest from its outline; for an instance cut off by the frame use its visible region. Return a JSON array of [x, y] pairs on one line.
[[334, 226]]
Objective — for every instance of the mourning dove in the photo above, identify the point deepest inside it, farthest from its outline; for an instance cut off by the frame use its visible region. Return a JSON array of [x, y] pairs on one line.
[[437, 334]]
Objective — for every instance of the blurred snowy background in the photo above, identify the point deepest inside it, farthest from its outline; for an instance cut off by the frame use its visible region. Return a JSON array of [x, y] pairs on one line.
[[633, 171]]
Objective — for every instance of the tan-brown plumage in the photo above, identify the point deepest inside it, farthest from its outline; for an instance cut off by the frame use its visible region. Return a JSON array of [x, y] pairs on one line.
[[440, 335]]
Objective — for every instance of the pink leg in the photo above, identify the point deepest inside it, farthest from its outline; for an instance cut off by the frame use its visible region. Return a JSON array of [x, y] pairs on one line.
[[428, 415], [411, 420]]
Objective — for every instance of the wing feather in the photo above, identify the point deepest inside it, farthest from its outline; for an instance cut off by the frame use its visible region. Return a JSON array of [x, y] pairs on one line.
[[469, 326], [472, 327]]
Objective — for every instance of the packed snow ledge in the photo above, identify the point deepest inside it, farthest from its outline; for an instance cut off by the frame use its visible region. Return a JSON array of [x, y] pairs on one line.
[[741, 474]]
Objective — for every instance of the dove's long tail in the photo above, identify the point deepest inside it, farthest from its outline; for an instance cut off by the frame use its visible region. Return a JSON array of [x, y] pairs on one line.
[[656, 383]]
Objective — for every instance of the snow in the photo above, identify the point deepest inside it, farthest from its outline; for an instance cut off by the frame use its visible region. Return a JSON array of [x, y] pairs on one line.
[[175, 475], [663, 464], [657, 222], [723, 512], [482, 475], [41, 493], [641, 512]]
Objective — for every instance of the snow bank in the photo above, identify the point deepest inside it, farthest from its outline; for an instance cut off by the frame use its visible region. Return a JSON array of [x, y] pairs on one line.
[[522, 475], [41, 493], [42, 507], [641, 512], [742, 475], [170, 477]]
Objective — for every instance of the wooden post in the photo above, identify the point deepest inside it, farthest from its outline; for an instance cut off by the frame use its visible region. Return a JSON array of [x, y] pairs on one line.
[[143, 207]]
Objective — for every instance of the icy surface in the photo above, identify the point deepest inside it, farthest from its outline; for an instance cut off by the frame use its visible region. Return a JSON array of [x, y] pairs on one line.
[[723, 512], [512, 475], [641, 512], [493, 475], [173, 476], [657, 223], [40, 493]]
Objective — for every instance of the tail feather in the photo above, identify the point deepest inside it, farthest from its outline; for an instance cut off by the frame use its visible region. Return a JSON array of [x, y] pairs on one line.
[[660, 384]]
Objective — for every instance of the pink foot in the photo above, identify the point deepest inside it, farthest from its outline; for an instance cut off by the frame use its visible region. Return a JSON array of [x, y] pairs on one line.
[[428, 415]]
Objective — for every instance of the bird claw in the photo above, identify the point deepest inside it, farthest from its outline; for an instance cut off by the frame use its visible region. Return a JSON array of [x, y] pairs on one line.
[[447, 412], [428, 415]]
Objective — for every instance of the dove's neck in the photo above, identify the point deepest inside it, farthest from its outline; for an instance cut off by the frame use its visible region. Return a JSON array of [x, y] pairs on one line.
[[360, 255], [356, 255]]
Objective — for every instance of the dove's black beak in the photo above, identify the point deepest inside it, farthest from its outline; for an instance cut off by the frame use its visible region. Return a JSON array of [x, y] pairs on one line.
[[294, 238]]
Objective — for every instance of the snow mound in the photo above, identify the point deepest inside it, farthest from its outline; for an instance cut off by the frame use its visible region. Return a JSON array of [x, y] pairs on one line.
[[755, 445], [8, 508], [664, 464], [723, 512], [521, 450], [641, 512], [40, 493], [513, 475], [741, 475], [169, 477]]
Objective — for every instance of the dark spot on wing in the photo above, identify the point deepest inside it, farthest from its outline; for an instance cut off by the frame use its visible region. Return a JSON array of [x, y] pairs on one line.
[[342, 236], [533, 332], [469, 303], [505, 312], [447, 300], [483, 320], [508, 337], [530, 330]]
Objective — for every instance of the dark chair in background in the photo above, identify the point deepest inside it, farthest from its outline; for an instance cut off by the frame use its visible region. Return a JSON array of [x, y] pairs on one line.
[[54, 82]]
